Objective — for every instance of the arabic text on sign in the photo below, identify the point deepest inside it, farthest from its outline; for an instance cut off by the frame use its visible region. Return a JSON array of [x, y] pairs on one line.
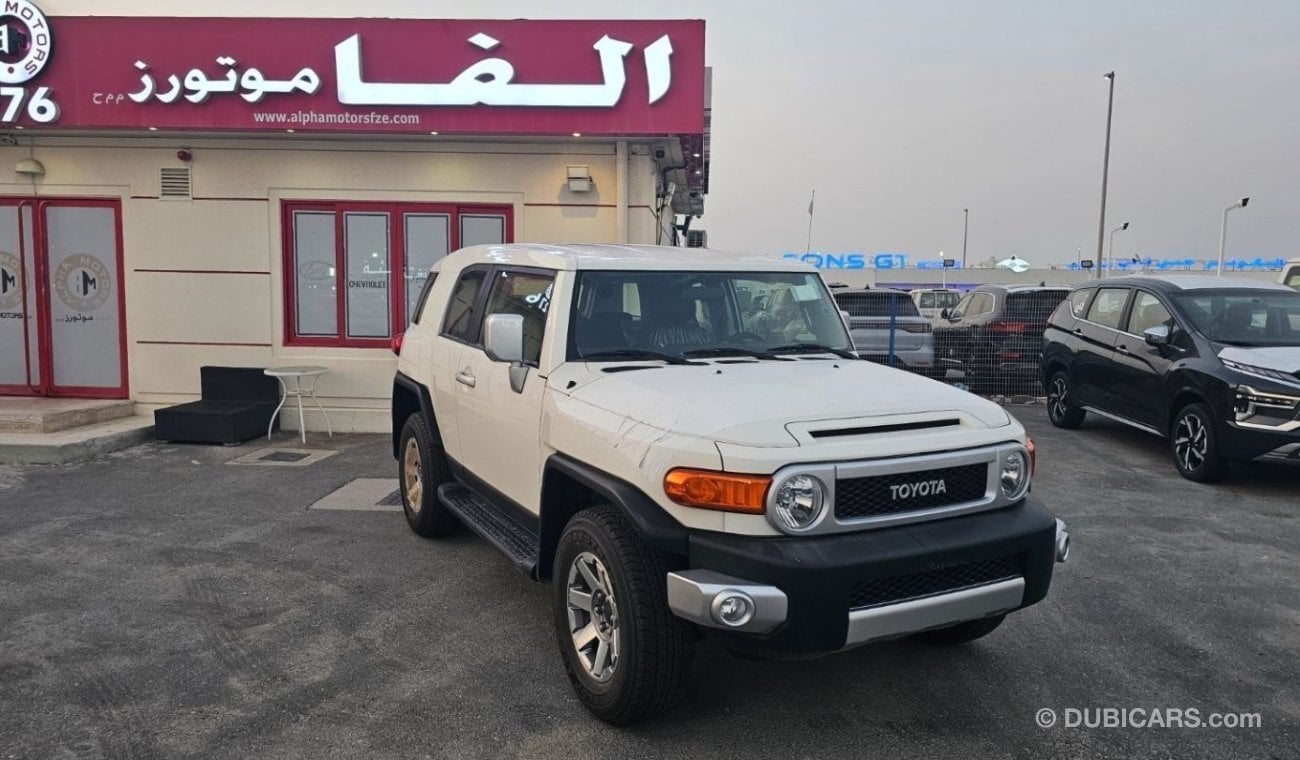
[[197, 87], [489, 82]]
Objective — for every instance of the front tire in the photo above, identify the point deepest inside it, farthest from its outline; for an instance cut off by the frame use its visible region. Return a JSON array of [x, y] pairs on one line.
[[1195, 445], [627, 656], [962, 632], [421, 468], [1060, 402]]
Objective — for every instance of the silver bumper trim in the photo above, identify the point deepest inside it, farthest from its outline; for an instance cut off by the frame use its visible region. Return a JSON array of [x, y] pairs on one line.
[[893, 620], [692, 593], [1062, 540]]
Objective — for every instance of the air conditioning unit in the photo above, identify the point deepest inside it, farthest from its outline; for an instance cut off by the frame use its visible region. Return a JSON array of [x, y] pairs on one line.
[[697, 238]]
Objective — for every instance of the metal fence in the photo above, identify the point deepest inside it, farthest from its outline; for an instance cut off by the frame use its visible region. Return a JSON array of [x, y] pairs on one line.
[[989, 342]]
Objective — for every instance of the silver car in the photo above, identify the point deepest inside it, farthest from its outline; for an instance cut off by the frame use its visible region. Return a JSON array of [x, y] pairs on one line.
[[876, 315]]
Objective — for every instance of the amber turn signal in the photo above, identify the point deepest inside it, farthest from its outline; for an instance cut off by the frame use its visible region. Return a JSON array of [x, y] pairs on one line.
[[718, 490], [1033, 456]]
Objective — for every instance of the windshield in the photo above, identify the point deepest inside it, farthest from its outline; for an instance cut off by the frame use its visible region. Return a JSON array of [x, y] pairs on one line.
[[626, 315], [879, 304], [1244, 317], [1292, 277]]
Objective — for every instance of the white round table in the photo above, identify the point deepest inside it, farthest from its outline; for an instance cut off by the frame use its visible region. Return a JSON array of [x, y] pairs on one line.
[[303, 384]]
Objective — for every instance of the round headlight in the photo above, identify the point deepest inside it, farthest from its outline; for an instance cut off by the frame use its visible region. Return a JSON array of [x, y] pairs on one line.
[[1015, 474], [799, 501]]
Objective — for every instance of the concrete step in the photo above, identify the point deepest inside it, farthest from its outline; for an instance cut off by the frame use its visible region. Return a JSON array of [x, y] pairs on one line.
[[20, 414], [76, 444]]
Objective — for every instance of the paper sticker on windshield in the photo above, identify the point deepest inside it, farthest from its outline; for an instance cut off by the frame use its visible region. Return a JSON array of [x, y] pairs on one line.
[[805, 292]]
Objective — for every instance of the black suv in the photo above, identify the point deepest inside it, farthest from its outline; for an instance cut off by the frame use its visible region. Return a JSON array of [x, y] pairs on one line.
[[995, 334], [1211, 363]]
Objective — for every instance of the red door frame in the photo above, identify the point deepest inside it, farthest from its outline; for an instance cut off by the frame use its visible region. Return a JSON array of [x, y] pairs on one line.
[[48, 384]]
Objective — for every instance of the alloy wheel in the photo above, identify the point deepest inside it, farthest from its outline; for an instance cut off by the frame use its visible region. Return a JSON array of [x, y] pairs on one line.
[[1191, 442], [412, 483], [1057, 398], [593, 616]]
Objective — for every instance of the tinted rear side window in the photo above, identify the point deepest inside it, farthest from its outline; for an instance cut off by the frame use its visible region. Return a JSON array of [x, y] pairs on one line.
[[1035, 305], [876, 304]]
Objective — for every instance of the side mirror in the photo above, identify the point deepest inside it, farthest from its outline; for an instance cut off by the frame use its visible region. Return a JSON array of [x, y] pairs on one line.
[[945, 314], [844, 315], [503, 338], [1157, 336], [503, 341]]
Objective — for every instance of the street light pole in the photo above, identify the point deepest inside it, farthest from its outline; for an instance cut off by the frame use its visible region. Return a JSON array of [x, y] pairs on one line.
[[965, 228], [1223, 232], [1105, 169], [944, 279], [1111, 263]]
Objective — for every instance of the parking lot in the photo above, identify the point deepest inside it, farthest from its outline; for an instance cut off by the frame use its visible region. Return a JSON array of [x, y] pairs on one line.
[[161, 602]]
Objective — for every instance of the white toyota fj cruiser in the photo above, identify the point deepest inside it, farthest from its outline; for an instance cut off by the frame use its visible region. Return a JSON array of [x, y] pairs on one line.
[[682, 442]]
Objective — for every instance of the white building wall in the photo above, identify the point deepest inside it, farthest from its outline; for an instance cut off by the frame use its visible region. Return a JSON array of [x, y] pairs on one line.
[[203, 278]]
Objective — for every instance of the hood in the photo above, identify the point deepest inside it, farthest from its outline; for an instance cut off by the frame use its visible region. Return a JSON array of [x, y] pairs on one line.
[[753, 403], [1278, 358]]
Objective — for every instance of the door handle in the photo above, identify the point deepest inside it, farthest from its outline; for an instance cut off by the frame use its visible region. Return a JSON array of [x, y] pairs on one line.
[[465, 377], [1122, 350], [1078, 331]]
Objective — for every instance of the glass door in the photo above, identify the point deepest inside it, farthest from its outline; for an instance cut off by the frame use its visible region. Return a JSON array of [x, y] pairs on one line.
[[20, 363], [62, 326]]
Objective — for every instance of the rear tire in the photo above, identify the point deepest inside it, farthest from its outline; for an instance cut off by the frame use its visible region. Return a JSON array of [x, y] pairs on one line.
[[627, 656], [421, 468], [1195, 445], [962, 632], [1060, 402]]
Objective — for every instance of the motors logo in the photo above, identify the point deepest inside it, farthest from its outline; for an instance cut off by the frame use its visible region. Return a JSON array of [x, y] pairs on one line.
[[904, 491], [26, 41], [11, 286], [82, 282]]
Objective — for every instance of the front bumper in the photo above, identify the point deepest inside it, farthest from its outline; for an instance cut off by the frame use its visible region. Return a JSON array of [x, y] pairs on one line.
[[838, 591]]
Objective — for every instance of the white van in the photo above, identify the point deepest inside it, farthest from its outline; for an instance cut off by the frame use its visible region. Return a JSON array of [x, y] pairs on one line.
[[932, 302], [1291, 274]]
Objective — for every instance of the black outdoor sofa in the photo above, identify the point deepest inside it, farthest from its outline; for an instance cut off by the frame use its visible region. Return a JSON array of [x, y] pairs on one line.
[[236, 406]]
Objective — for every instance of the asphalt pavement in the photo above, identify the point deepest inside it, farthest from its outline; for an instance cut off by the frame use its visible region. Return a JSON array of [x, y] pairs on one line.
[[162, 603]]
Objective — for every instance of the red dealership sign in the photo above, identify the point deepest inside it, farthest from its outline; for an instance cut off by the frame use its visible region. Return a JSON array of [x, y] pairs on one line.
[[350, 75]]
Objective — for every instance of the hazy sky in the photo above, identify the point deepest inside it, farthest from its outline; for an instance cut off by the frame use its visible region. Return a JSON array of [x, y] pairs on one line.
[[902, 112]]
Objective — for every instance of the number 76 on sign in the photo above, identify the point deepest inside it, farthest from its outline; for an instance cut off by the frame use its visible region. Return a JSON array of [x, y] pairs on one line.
[[40, 108]]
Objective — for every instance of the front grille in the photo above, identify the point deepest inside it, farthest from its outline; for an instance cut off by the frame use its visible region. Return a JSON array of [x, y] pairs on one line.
[[909, 491], [898, 588]]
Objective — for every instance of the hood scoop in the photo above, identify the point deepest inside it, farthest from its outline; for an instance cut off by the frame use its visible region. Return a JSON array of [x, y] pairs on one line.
[[892, 428]]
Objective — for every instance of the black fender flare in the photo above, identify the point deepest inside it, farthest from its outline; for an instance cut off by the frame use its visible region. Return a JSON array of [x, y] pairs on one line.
[[421, 393], [656, 527]]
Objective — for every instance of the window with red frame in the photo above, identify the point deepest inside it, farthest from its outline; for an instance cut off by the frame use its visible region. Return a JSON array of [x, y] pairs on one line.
[[354, 271]]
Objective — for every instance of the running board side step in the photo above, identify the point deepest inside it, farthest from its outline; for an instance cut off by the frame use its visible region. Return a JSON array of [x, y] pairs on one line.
[[510, 538]]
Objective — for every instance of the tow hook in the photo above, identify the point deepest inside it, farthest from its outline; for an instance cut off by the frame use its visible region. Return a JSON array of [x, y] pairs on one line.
[[1062, 541]]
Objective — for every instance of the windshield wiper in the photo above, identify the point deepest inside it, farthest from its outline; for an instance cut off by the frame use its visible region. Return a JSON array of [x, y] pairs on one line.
[[812, 348], [735, 351], [640, 354]]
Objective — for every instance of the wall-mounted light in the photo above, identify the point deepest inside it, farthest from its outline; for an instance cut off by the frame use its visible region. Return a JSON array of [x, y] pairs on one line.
[[30, 167], [579, 178]]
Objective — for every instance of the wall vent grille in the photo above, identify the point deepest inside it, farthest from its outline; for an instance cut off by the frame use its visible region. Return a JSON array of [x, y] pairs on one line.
[[175, 184]]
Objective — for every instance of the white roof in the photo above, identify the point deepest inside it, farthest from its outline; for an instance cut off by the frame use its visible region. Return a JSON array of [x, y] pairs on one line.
[[604, 256]]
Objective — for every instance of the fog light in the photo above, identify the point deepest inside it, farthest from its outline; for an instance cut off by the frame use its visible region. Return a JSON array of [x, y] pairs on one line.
[[733, 608]]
